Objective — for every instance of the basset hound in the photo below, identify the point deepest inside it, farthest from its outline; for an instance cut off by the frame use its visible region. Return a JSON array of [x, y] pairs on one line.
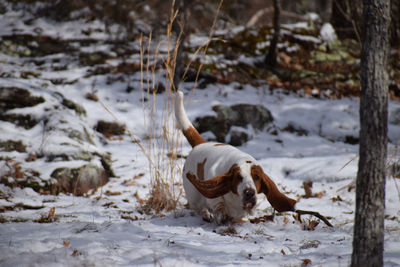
[[220, 181]]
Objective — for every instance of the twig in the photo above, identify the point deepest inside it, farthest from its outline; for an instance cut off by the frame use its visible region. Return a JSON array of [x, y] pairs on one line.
[[314, 213], [347, 163], [77, 180]]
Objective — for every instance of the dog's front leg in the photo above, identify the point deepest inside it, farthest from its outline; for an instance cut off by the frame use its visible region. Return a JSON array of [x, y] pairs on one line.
[[217, 205]]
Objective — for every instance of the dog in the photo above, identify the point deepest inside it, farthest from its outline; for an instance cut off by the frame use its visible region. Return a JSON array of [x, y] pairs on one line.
[[220, 181]]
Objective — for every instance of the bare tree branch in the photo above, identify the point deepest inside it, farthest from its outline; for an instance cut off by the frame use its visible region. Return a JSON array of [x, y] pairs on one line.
[[316, 214]]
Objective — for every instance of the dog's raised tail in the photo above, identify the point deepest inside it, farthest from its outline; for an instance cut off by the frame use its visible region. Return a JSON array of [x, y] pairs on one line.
[[191, 134]]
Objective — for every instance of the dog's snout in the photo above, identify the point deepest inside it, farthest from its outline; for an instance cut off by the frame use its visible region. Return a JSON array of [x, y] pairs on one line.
[[249, 193]]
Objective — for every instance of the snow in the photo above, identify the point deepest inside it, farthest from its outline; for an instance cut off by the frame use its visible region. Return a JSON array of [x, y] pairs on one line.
[[105, 229], [101, 236], [327, 33]]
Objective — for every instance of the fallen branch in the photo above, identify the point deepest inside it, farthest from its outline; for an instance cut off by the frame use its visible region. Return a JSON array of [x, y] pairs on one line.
[[314, 213]]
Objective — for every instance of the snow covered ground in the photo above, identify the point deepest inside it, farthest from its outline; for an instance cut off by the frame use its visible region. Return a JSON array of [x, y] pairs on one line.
[[109, 227], [108, 230]]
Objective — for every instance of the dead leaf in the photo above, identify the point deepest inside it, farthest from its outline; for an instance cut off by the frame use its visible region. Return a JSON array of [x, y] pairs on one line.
[[137, 176], [129, 182], [298, 67], [312, 224], [307, 188], [285, 58], [283, 252], [306, 262], [108, 204], [265, 218], [310, 244], [31, 157], [76, 253], [52, 212], [309, 225], [285, 220], [138, 198], [308, 191], [109, 193], [92, 96], [255, 220], [127, 217], [66, 243], [337, 198]]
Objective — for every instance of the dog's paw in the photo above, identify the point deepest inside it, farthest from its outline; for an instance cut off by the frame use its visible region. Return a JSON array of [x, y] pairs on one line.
[[221, 216], [206, 215], [222, 219]]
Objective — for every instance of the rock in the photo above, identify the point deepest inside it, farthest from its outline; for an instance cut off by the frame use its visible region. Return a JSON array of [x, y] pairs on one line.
[[75, 155], [295, 129], [71, 104], [27, 45], [79, 181], [218, 126], [237, 115], [74, 106], [11, 145], [352, 140], [238, 138], [159, 88], [110, 128], [14, 97], [255, 115], [94, 58], [203, 78], [22, 120], [12, 174], [3, 8]]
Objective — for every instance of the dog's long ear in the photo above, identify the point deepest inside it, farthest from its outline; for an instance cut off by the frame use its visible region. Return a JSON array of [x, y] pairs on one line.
[[214, 187], [278, 201]]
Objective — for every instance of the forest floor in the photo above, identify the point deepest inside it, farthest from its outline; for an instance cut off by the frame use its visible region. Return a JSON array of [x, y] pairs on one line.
[[69, 78]]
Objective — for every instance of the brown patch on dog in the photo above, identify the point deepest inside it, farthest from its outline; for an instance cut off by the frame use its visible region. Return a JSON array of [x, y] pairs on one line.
[[193, 136], [217, 186], [227, 182], [212, 188], [236, 178], [256, 174], [265, 185], [200, 169]]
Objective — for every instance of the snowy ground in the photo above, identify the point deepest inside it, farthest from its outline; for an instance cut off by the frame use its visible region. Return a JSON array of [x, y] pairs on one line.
[[108, 230], [108, 227]]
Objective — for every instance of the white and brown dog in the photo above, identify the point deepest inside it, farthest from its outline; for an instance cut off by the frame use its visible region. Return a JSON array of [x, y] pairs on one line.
[[223, 180]]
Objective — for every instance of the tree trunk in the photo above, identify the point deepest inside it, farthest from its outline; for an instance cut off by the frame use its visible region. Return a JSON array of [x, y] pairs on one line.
[[370, 193], [395, 23], [180, 30], [270, 58], [324, 9]]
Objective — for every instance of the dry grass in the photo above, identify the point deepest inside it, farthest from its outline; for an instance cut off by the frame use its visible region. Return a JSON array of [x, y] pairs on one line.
[[164, 142], [164, 139]]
